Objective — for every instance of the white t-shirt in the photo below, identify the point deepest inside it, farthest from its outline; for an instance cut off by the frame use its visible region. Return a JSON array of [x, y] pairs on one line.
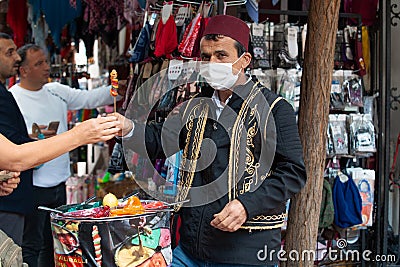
[[51, 103]]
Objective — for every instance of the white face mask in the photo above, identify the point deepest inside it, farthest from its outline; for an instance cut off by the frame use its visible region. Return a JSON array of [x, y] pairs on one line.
[[219, 75]]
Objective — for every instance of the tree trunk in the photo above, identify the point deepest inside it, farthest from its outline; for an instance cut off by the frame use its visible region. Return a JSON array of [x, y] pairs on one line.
[[316, 82]]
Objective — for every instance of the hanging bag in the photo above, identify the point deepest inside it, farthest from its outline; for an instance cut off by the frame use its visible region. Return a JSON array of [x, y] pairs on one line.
[[347, 201]]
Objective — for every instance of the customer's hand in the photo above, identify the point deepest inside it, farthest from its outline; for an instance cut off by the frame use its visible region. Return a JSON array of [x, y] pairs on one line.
[[232, 216], [126, 124], [97, 130], [7, 187]]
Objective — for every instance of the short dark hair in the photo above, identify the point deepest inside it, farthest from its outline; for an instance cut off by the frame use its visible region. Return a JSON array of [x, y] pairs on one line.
[[23, 50], [215, 37], [4, 35]]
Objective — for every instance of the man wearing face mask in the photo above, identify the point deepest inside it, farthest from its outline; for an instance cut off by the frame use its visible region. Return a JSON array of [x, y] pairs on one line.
[[241, 157]]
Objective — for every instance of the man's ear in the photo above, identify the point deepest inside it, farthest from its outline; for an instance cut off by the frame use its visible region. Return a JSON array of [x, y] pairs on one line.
[[246, 59], [22, 70]]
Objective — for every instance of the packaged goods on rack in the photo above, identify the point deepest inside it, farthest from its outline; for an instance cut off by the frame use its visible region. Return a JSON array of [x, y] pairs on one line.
[[362, 133], [337, 126]]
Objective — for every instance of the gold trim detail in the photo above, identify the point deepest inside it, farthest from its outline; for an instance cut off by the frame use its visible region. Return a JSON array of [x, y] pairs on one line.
[[234, 159], [186, 180], [262, 227]]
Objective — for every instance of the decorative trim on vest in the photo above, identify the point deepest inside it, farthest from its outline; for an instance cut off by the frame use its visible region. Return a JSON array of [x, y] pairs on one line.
[[264, 222], [191, 151], [234, 152]]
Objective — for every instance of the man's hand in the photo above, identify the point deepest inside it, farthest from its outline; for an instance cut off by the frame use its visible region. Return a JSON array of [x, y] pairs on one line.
[[126, 124], [8, 186], [232, 216]]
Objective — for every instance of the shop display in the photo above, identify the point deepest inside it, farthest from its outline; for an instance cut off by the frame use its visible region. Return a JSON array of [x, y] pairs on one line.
[[134, 234]]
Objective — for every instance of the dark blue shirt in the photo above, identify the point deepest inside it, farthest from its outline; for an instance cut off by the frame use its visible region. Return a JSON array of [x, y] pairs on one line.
[[12, 126]]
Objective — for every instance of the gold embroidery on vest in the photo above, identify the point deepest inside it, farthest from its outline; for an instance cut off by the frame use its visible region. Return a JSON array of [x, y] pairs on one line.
[[186, 180], [233, 167]]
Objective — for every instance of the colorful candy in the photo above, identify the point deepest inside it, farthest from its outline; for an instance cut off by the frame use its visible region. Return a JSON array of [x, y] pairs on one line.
[[114, 83], [97, 245]]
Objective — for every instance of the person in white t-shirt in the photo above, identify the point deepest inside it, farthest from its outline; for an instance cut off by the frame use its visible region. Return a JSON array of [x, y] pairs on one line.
[[42, 102]]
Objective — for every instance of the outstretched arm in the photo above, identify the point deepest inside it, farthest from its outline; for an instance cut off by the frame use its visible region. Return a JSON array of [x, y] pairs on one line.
[[21, 157]]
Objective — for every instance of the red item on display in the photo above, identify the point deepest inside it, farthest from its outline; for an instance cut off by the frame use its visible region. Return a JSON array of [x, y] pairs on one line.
[[98, 212], [16, 19], [166, 38], [190, 36], [366, 8]]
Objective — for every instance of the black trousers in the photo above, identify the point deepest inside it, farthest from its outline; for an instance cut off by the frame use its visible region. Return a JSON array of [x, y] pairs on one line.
[[37, 243]]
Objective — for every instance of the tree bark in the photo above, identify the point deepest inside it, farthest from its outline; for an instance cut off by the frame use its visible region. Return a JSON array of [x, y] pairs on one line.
[[316, 82]]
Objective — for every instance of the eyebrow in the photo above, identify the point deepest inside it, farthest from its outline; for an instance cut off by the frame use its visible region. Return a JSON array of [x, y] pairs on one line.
[[220, 51], [214, 52]]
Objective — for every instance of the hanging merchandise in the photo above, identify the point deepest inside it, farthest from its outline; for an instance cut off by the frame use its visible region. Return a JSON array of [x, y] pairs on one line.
[[141, 49], [347, 51], [290, 88], [347, 201], [365, 181], [103, 17], [56, 20], [192, 34], [362, 133], [337, 127], [183, 19], [207, 8], [366, 51], [16, 19], [346, 91], [359, 59], [252, 9], [184, 12], [368, 10], [353, 90], [289, 50], [330, 151], [327, 211], [337, 96], [131, 7], [174, 69], [259, 49], [166, 38]]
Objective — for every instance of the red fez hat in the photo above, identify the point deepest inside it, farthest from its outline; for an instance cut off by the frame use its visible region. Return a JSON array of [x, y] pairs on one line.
[[229, 26]]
